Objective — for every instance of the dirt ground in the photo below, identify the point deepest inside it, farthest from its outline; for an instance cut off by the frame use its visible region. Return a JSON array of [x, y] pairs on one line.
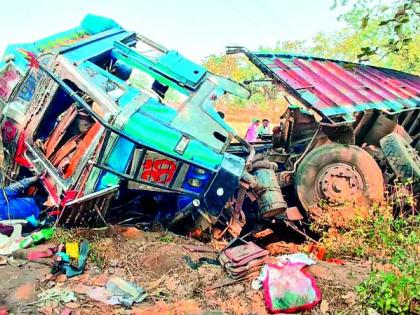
[[157, 262]]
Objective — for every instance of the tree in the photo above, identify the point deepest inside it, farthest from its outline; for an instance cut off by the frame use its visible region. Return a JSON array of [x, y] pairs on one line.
[[235, 67], [387, 32]]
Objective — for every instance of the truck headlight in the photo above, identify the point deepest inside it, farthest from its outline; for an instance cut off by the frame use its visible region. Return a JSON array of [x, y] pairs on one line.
[[200, 171], [194, 182]]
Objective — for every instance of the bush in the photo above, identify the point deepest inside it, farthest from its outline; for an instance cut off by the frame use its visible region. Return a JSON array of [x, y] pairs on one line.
[[392, 244]]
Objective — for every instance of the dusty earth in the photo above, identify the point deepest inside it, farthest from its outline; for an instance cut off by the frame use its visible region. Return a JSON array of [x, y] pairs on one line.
[[156, 261]]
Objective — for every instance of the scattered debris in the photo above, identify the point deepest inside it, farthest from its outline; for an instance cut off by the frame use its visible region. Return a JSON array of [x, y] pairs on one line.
[[297, 258], [243, 261], [125, 292], [62, 263], [37, 237], [10, 244], [202, 260], [55, 297], [72, 250]]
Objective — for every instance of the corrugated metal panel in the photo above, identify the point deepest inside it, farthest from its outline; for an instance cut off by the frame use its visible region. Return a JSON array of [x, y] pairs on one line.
[[339, 89]]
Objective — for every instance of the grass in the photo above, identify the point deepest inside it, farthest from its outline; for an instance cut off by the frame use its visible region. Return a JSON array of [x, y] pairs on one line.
[[96, 255], [392, 244]]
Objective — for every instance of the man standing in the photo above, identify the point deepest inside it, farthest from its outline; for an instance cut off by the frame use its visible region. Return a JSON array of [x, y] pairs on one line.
[[251, 133], [264, 129]]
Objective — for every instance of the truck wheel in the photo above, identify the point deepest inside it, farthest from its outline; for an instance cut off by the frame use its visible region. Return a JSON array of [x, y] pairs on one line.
[[336, 183], [402, 158]]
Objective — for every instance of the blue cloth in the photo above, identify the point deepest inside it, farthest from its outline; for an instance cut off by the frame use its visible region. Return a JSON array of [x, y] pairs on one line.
[[18, 207]]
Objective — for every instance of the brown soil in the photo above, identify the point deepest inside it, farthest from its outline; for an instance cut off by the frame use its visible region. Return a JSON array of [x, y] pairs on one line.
[[156, 262]]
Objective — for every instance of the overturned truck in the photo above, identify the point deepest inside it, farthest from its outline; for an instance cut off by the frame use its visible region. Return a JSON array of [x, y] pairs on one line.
[[115, 149]]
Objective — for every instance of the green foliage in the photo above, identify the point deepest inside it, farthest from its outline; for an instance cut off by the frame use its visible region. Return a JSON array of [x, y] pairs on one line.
[[289, 46], [167, 239], [382, 35], [388, 292], [393, 291], [385, 35], [391, 243], [233, 66], [238, 68]]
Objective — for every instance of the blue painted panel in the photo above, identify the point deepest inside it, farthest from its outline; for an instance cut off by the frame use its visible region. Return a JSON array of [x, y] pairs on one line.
[[164, 138], [88, 51], [128, 96], [118, 160], [158, 110], [27, 90], [180, 66], [94, 24]]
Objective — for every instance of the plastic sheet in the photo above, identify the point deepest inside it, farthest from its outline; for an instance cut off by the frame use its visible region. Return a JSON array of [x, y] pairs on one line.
[[289, 289]]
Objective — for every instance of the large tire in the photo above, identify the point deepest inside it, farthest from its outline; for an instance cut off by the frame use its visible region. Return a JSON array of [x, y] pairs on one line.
[[402, 158], [336, 183]]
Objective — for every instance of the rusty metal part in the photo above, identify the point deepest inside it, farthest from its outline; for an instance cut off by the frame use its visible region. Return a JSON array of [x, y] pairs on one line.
[[284, 179], [64, 151], [238, 219], [236, 224], [293, 214], [82, 147], [293, 226], [252, 195], [341, 134], [52, 143], [251, 150], [218, 233], [264, 164], [248, 180], [337, 183], [302, 156], [270, 198]]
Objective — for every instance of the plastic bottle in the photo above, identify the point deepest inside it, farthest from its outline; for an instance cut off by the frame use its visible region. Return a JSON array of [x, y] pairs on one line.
[[42, 235]]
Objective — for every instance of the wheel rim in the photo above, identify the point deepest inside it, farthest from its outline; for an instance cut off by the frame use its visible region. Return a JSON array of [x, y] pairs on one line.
[[336, 184], [339, 183]]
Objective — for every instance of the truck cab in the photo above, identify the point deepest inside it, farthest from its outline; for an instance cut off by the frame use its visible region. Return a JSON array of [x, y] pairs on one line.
[[72, 106]]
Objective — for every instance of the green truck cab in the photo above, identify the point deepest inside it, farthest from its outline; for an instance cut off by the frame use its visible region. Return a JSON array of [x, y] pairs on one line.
[[72, 106]]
